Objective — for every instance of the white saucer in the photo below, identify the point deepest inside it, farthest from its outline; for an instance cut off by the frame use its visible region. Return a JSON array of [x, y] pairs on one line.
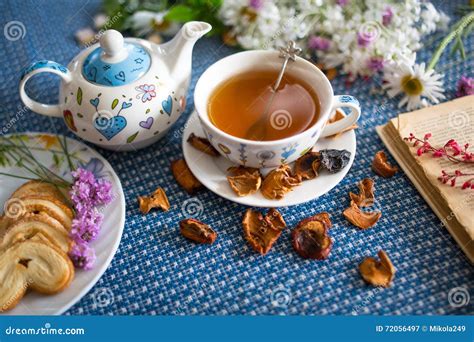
[[211, 171]]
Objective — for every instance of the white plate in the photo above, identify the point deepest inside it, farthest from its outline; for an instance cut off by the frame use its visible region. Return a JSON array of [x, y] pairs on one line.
[[111, 232], [211, 171]]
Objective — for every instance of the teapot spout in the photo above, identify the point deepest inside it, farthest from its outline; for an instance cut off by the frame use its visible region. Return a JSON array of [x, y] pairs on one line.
[[177, 53]]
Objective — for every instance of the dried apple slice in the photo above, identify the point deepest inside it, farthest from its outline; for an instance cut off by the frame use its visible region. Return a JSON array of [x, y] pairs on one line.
[[156, 200], [377, 273], [382, 167], [358, 218], [185, 177], [279, 182], [260, 231], [366, 197], [197, 231], [203, 145], [244, 180]]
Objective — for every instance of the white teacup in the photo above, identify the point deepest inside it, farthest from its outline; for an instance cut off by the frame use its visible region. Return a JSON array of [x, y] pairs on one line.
[[276, 152]]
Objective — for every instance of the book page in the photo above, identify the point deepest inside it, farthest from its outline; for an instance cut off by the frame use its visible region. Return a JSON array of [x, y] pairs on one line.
[[450, 120]]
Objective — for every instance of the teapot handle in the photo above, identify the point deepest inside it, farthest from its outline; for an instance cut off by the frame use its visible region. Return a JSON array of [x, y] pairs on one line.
[[36, 68]]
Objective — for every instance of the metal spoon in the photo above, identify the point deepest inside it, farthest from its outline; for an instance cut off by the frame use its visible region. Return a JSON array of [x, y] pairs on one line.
[[258, 129]]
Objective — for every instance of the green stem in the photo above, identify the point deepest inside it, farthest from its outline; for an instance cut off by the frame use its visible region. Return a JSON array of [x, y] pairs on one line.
[[66, 152], [15, 176], [458, 28], [26, 155], [43, 149]]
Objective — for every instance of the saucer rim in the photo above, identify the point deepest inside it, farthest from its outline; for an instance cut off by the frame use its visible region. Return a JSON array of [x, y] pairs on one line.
[[190, 127]]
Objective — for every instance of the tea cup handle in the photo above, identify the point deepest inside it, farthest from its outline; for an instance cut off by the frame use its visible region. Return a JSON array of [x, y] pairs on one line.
[[36, 68], [349, 120]]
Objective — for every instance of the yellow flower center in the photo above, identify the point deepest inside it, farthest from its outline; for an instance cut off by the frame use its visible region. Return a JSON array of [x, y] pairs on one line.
[[412, 85], [249, 13]]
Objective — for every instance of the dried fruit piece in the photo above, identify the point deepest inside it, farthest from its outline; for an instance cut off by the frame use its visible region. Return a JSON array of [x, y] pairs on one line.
[[184, 176], [310, 238], [360, 218], [278, 182], [334, 160], [275, 218], [323, 218], [262, 231], [197, 231], [244, 180], [339, 116], [382, 167], [377, 273], [202, 144], [156, 200], [366, 197], [307, 166]]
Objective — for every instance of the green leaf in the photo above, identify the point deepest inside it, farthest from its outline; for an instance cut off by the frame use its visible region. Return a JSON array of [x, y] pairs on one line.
[[461, 47], [56, 160], [115, 103], [180, 13], [132, 138], [79, 96]]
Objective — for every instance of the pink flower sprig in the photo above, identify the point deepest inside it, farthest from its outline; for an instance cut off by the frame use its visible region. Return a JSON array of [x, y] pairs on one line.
[[453, 177], [451, 150], [87, 193]]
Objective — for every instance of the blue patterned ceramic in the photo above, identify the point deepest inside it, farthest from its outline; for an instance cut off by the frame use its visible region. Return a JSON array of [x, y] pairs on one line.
[[122, 94], [271, 153]]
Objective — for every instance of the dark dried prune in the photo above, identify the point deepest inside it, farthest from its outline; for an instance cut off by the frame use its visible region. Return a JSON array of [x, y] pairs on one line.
[[197, 231], [311, 239], [334, 160]]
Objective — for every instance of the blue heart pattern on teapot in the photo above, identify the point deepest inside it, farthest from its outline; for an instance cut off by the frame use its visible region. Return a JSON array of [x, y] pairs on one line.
[[168, 105], [110, 127]]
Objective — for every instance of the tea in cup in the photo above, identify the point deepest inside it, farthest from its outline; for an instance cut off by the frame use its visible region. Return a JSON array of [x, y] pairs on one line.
[[253, 125]]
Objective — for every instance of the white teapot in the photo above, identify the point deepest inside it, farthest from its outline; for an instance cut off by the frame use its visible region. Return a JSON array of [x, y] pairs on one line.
[[122, 94]]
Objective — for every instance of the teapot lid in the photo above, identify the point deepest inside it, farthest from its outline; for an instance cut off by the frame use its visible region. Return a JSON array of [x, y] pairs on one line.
[[115, 63]]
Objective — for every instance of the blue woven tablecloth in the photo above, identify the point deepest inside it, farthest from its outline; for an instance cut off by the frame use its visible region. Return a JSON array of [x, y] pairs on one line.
[[156, 271]]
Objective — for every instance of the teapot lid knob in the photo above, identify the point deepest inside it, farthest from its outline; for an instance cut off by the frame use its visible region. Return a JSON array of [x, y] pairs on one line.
[[113, 45], [117, 61]]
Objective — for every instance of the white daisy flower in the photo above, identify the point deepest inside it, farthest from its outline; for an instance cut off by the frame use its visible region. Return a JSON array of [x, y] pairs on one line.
[[415, 83]]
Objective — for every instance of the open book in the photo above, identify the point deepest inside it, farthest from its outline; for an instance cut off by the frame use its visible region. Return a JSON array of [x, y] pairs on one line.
[[450, 120]]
